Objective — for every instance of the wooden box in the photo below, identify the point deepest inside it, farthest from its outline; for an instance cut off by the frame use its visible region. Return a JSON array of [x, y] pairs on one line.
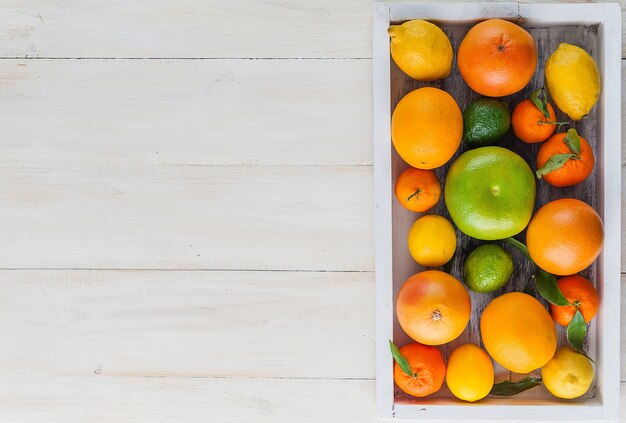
[[595, 27]]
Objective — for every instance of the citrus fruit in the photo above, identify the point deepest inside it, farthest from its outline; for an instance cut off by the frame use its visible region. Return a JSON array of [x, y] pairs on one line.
[[490, 193], [469, 374], [421, 50], [578, 291], [529, 123], [426, 127], [487, 268], [565, 236], [574, 170], [433, 307], [573, 80], [428, 369], [432, 240], [418, 190], [518, 332], [568, 374], [497, 58], [485, 122]]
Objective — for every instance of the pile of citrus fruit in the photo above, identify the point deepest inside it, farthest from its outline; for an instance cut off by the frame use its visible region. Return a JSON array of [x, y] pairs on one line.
[[490, 193]]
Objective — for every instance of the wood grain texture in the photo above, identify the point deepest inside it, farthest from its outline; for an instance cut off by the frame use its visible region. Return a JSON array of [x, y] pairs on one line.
[[194, 324], [198, 112], [188, 28], [189, 217], [155, 400]]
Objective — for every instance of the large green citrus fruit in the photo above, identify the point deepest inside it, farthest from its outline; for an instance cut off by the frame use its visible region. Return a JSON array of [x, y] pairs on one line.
[[490, 193]]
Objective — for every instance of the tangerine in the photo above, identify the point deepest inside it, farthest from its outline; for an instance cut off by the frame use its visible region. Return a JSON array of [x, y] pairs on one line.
[[426, 127], [418, 190], [580, 292], [574, 170], [433, 307], [530, 124], [427, 366], [497, 58], [565, 236]]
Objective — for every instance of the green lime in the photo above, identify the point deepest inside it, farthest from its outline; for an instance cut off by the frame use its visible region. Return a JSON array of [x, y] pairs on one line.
[[487, 268], [485, 121], [490, 193]]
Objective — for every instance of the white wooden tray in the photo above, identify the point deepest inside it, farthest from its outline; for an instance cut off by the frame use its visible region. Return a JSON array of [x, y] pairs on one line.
[[596, 27]]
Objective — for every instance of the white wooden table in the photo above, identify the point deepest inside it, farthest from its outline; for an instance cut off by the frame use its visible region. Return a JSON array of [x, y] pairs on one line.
[[186, 211]]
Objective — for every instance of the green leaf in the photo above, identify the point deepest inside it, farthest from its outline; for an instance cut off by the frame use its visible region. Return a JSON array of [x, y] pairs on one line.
[[573, 141], [548, 288], [400, 359], [555, 162], [544, 281], [576, 331], [542, 105], [508, 388], [529, 289], [520, 246]]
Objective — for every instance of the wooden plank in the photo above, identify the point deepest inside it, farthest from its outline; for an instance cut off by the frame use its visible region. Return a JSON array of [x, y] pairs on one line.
[[187, 28], [187, 324], [215, 112], [152, 400], [185, 217]]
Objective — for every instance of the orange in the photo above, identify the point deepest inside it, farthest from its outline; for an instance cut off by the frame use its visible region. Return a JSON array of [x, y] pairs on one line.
[[418, 190], [565, 236], [428, 369], [426, 127], [529, 123], [575, 170], [433, 307], [497, 58], [518, 332], [577, 290]]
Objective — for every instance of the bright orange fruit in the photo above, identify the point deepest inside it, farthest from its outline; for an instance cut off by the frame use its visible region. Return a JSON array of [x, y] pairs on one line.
[[497, 58], [529, 123], [577, 290], [433, 307], [565, 236], [426, 127], [418, 190], [428, 367], [518, 332]]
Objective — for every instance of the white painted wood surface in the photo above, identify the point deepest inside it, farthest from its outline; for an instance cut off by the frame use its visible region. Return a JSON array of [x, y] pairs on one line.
[[261, 165]]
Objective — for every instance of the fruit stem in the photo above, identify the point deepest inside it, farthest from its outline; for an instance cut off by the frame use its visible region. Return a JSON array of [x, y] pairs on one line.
[[416, 194], [549, 122], [436, 315]]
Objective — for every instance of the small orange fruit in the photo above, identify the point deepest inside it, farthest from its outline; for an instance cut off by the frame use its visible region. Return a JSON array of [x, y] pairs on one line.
[[433, 307], [428, 369], [565, 236], [497, 58], [575, 170], [418, 190], [529, 123], [577, 290], [518, 332], [426, 127]]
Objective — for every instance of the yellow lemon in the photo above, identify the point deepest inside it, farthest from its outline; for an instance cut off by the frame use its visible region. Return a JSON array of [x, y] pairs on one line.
[[469, 374], [568, 375], [421, 50], [432, 240], [573, 80]]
